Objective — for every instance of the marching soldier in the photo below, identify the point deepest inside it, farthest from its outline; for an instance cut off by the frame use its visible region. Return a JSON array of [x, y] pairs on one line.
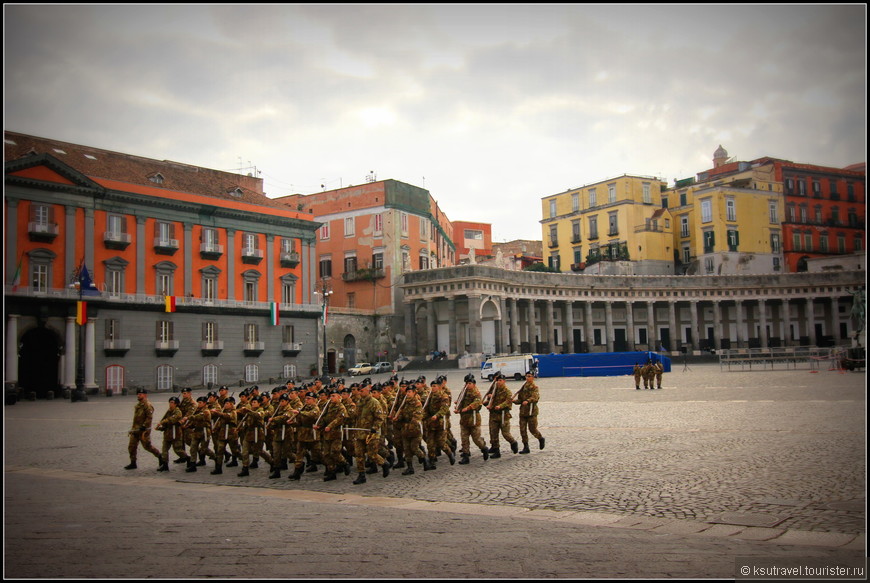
[[187, 406], [468, 406], [223, 395], [527, 398], [196, 424], [649, 374], [435, 413], [638, 374], [500, 416], [253, 425], [367, 438], [278, 429], [305, 419], [329, 428], [408, 418], [170, 426], [222, 430], [143, 415]]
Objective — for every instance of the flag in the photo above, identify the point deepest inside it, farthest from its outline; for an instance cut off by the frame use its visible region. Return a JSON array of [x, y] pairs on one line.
[[170, 303], [273, 313], [325, 313], [86, 285], [16, 279], [81, 313]]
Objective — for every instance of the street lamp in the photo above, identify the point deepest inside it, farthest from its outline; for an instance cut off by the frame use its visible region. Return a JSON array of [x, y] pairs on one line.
[[80, 280], [324, 292]]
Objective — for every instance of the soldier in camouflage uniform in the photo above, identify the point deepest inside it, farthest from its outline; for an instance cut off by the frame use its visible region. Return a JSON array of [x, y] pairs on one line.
[[435, 415], [500, 417], [277, 428], [172, 434], [224, 425], [367, 437], [649, 374], [187, 406], [408, 418], [198, 424], [252, 425], [329, 429], [468, 407], [304, 422], [527, 398], [143, 415]]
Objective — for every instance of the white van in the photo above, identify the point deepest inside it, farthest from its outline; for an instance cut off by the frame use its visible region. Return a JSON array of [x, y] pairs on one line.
[[513, 366]]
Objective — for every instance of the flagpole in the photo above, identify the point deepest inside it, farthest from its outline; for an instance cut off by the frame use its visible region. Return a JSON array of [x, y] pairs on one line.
[[324, 292]]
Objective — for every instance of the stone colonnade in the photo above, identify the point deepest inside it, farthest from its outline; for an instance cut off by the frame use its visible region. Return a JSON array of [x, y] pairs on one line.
[[479, 309]]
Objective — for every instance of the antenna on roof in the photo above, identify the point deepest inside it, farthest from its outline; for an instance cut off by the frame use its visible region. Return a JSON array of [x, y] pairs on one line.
[[371, 176]]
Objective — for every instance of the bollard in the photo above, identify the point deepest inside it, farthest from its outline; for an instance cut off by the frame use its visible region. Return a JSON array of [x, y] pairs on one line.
[[49, 395]]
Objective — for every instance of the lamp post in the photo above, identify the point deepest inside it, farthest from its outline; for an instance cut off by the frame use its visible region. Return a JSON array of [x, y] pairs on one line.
[[80, 280], [324, 292]]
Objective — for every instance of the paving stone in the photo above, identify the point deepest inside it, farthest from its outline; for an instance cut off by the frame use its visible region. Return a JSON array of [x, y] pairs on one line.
[[749, 519], [815, 539]]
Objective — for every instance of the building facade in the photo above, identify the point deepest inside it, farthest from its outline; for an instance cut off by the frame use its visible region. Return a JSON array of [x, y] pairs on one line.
[[472, 239], [201, 280], [370, 235], [484, 310]]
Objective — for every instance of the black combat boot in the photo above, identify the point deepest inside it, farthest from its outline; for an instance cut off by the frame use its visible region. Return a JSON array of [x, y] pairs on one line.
[[164, 465], [494, 453], [525, 448], [255, 464], [410, 468], [233, 463], [541, 442], [218, 469], [181, 460], [244, 472], [131, 465], [191, 466], [428, 464], [371, 468], [515, 447], [284, 464], [276, 472], [385, 469], [464, 459], [201, 461], [400, 461], [330, 476], [451, 457], [297, 473], [360, 479], [485, 453]]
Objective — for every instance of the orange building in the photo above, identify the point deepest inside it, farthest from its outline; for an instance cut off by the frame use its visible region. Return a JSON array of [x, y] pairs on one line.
[[476, 236]]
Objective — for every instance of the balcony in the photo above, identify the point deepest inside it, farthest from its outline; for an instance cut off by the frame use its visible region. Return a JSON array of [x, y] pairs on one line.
[[291, 348], [363, 275], [166, 347], [115, 347], [253, 348], [210, 250], [165, 246], [553, 243], [578, 266], [289, 259], [252, 256], [43, 232], [211, 348], [113, 240]]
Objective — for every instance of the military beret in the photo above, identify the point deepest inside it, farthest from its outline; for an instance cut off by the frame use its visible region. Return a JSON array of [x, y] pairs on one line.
[[224, 388], [201, 400], [284, 398], [185, 390], [345, 390], [367, 381], [230, 400], [311, 394], [469, 378], [377, 387], [174, 400], [143, 391]]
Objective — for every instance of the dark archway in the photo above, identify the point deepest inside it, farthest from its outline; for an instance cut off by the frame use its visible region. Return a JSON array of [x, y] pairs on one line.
[[38, 361]]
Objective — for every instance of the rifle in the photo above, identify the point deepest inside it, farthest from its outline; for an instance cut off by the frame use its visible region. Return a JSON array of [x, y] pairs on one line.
[[396, 414], [459, 400], [317, 422], [488, 396]]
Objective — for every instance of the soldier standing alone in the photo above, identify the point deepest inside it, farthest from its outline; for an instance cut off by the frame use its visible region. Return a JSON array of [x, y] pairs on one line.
[[527, 398]]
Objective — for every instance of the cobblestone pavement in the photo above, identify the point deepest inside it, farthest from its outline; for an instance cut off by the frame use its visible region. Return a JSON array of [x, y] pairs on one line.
[[776, 456]]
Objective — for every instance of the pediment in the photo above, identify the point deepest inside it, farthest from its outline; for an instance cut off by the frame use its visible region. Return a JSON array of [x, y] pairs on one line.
[[44, 170]]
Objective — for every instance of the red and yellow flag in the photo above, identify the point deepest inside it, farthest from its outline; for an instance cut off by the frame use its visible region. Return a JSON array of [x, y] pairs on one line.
[[81, 313], [170, 303]]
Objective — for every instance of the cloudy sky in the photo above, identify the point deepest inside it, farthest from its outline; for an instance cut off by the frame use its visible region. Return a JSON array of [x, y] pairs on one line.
[[490, 107]]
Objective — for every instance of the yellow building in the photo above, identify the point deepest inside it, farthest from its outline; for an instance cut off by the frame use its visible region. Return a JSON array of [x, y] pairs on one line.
[[728, 221], [598, 227]]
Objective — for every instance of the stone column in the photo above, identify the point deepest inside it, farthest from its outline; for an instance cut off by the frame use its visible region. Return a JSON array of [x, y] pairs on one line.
[[811, 322], [431, 334], [411, 328], [629, 324], [533, 343], [568, 326], [69, 354], [550, 323], [651, 331], [717, 323], [451, 325], [504, 323], [785, 316], [515, 325], [588, 334], [11, 372], [693, 315], [90, 355], [738, 316], [608, 324], [475, 331], [762, 324], [672, 323]]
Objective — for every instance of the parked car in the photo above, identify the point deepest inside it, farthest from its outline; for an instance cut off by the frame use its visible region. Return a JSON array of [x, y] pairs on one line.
[[360, 369], [382, 367]]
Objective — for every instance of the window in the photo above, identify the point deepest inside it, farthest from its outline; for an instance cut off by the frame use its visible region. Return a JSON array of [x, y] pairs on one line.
[[818, 214], [406, 260], [113, 329], [684, 226], [209, 288], [288, 292], [326, 266], [611, 193], [775, 243], [165, 377], [116, 227], [252, 333], [708, 265], [593, 227], [796, 241], [552, 208], [288, 335], [730, 210], [209, 374], [251, 244], [324, 232], [115, 378], [350, 264], [424, 229], [554, 236], [790, 213], [803, 211], [473, 234], [210, 240], [613, 223], [575, 231], [164, 284], [709, 241], [841, 243], [424, 260], [647, 196], [209, 332], [687, 255], [835, 215], [252, 373], [115, 282], [39, 277], [593, 198], [664, 202], [706, 211], [164, 331], [378, 259], [858, 243], [575, 202], [351, 300], [165, 234], [817, 189], [578, 254], [773, 213], [289, 371], [683, 199], [733, 240], [554, 261], [379, 223], [850, 192], [250, 290], [802, 187], [808, 242], [404, 220], [156, 178], [823, 242], [349, 227]]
